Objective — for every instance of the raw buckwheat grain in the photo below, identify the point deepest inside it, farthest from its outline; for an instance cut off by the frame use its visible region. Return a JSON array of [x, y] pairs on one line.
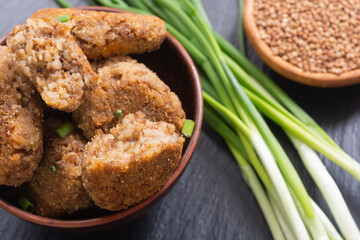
[[319, 36]]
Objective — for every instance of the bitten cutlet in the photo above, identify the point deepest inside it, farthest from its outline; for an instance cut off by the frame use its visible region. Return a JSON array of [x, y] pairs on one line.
[[105, 34], [48, 55], [131, 163], [57, 189], [21, 130], [128, 86]]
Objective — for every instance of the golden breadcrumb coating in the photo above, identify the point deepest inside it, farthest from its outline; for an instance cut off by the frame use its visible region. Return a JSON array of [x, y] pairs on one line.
[[57, 189], [47, 53], [104, 34], [131, 163], [130, 87], [21, 130]]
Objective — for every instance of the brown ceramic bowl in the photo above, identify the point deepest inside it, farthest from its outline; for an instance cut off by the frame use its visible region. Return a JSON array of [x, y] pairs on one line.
[[175, 67], [286, 69]]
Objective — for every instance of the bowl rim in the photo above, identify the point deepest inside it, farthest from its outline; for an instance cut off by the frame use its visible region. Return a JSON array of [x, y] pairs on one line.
[[285, 68], [116, 216]]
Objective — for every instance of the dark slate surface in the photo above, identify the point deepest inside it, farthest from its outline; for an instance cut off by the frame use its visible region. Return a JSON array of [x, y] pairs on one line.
[[211, 200]]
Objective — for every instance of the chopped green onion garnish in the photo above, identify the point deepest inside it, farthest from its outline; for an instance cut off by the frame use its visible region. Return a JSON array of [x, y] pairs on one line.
[[26, 205], [65, 129], [63, 18], [53, 168], [188, 128], [118, 113]]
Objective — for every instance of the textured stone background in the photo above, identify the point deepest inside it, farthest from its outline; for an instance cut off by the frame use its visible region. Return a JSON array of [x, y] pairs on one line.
[[211, 200]]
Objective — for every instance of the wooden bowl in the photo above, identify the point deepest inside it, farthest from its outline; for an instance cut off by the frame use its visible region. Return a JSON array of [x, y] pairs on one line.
[[175, 67], [286, 69]]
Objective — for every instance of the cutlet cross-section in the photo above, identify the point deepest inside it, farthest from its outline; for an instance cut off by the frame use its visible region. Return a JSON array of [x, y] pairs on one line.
[[46, 52], [131, 163], [21, 130], [128, 86], [57, 189], [104, 34]]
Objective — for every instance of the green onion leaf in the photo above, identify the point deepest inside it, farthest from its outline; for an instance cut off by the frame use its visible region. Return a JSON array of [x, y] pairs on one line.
[[63, 18], [118, 114], [26, 205], [63, 3], [53, 168], [65, 129], [242, 43], [93, 3], [188, 128]]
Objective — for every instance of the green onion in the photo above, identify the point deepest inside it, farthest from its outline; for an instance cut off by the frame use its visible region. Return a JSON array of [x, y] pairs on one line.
[[25, 204], [121, 5], [53, 168], [92, 3], [64, 3], [313, 224], [241, 29], [329, 227], [118, 113], [198, 5], [63, 18], [260, 194], [188, 128], [280, 215], [328, 188], [65, 129]]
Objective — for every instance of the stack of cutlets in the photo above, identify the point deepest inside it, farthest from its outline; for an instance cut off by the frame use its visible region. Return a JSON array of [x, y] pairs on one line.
[[80, 66]]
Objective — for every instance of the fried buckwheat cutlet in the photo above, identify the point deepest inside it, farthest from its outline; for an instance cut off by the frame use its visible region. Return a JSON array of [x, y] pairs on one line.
[[131, 163], [57, 189], [47, 53], [103, 34], [130, 87], [21, 130]]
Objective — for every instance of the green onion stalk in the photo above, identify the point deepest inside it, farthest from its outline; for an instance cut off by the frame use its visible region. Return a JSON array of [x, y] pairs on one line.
[[92, 3], [242, 44], [259, 193], [63, 3], [237, 95], [328, 188], [288, 233], [329, 227]]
